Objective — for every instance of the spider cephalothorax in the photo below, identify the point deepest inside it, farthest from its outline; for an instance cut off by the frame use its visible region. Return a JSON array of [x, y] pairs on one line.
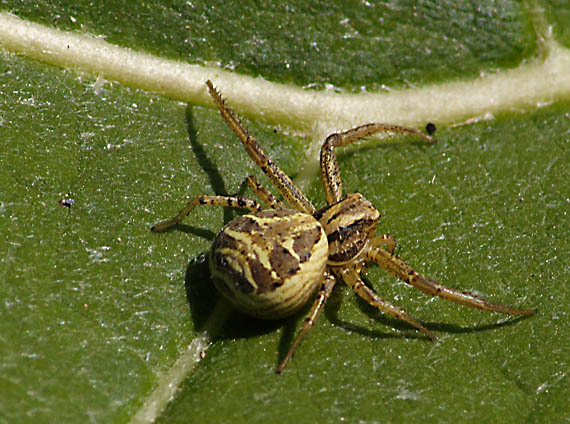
[[269, 263], [348, 224]]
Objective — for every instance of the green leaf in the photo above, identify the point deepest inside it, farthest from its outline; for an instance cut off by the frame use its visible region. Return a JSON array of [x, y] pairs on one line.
[[100, 317]]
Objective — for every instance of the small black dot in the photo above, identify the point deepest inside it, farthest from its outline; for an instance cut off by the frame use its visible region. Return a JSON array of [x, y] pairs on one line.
[[66, 202], [430, 128]]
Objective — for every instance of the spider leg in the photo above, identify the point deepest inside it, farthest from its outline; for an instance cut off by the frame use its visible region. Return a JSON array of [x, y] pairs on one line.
[[384, 239], [282, 182], [330, 173], [208, 200], [265, 195], [351, 277], [404, 272], [324, 293]]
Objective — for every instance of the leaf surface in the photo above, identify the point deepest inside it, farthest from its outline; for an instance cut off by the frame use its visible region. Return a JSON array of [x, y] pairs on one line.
[[98, 312]]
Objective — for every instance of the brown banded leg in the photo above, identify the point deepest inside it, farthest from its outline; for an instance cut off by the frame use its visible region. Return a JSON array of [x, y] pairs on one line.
[[324, 293], [330, 173], [351, 277], [404, 272], [208, 200], [265, 195], [282, 182]]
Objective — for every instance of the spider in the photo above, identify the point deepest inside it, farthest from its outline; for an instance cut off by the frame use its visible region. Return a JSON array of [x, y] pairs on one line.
[[269, 263]]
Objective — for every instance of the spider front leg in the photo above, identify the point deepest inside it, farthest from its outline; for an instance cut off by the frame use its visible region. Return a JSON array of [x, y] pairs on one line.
[[330, 173], [292, 194], [324, 293], [404, 272], [350, 276], [208, 200]]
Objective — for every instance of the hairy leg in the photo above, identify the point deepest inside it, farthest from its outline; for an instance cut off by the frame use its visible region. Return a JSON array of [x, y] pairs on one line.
[[207, 200], [324, 293], [404, 272], [332, 182], [351, 277]]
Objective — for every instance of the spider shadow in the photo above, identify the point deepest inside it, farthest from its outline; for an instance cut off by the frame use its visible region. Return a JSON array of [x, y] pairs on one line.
[[404, 328], [202, 298], [333, 305], [212, 171], [457, 329]]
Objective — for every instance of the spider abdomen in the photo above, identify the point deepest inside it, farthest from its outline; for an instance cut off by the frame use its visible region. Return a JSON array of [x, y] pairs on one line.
[[269, 263]]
